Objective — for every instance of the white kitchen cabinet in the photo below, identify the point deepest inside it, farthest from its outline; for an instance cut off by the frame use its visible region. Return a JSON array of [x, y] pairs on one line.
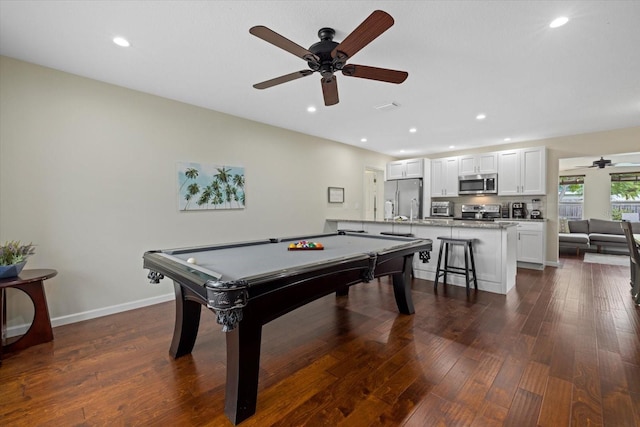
[[531, 247], [522, 172], [444, 177], [405, 169], [478, 163], [530, 242]]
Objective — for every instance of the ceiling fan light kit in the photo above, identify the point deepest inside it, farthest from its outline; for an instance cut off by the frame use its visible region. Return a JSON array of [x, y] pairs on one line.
[[327, 56]]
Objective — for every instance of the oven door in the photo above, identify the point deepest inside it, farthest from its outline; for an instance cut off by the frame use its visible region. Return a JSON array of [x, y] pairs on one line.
[[471, 184], [478, 184], [440, 211]]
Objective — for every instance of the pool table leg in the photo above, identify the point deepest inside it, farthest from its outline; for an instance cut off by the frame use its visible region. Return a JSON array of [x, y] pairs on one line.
[[402, 287], [187, 323], [243, 367], [342, 292]]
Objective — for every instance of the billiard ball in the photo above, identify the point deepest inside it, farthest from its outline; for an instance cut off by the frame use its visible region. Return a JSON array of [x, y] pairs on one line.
[[191, 261]]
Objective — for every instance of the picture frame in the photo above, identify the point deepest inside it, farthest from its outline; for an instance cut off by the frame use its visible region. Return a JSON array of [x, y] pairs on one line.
[[203, 186], [336, 195]]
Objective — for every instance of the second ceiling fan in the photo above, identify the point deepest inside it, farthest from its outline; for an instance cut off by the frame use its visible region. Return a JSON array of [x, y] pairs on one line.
[[328, 56]]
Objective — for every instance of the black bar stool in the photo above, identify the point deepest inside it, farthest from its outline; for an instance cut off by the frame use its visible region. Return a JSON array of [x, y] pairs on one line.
[[469, 273]]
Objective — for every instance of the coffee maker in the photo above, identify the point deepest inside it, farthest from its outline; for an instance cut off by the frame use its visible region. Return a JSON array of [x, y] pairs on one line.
[[518, 210]]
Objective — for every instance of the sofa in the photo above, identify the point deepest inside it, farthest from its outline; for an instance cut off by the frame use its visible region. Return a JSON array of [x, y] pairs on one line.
[[593, 233]]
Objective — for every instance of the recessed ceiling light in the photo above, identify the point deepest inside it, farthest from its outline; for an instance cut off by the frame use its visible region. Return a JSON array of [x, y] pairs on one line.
[[413, 130], [559, 22], [402, 151], [363, 140], [481, 116], [452, 146], [311, 109], [507, 139], [121, 41]]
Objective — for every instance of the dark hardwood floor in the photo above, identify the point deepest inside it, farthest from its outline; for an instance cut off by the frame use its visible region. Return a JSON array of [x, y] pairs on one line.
[[562, 349]]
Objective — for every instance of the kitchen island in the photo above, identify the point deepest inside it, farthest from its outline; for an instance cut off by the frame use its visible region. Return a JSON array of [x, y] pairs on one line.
[[494, 248]]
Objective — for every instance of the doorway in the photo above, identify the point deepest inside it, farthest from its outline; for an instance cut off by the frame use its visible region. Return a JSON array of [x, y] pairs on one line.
[[373, 194]]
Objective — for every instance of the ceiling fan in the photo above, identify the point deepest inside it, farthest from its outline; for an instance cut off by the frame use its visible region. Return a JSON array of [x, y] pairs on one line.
[[603, 163], [327, 56]]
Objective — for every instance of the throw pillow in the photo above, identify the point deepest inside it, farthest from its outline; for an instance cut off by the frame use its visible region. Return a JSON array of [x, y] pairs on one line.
[[564, 225]]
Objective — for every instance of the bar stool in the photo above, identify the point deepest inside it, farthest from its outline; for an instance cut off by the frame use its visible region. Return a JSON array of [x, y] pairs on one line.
[[469, 273]]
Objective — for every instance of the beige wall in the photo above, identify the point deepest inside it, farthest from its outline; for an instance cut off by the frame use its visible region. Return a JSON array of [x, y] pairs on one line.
[[88, 173]]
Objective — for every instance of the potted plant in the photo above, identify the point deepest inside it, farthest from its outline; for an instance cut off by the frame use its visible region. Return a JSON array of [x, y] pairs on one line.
[[13, 257]]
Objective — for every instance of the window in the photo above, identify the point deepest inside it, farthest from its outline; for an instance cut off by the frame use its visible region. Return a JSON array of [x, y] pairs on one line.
[[625, 196], [571, 196]]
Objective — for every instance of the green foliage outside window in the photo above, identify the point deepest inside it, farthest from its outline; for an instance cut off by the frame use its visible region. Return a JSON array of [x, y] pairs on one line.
[[628, 190], [573, 189]]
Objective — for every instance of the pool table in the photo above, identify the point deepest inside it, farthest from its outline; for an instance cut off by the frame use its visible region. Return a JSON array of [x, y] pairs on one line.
[[248, 284]]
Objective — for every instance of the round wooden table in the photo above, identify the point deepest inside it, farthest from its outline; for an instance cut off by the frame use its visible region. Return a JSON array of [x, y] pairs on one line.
[[31, 283]]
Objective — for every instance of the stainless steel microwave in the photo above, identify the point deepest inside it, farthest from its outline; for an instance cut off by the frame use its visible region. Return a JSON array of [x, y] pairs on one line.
[[478, 184]]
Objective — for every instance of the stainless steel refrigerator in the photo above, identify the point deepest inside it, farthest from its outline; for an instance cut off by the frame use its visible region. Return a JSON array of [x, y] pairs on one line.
[[404, 198]]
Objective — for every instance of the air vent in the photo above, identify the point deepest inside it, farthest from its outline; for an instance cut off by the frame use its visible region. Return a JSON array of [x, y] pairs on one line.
[[387, 107]]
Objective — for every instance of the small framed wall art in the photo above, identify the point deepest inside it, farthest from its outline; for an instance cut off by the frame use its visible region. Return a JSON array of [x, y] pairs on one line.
[[336, 195]]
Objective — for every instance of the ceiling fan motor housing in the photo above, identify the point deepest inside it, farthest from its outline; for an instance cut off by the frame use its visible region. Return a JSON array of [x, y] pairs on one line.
[[601, 163], [322, 49]]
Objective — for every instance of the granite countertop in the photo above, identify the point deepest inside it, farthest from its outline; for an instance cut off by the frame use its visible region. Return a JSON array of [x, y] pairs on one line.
[[522, 219], [437, 222]]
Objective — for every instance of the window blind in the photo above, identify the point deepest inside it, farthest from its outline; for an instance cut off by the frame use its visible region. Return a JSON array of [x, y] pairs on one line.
[[571, 179], [625, 177]]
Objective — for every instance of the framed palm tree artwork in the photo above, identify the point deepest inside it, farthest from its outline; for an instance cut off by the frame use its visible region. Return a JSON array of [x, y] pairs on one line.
[[210, 187]]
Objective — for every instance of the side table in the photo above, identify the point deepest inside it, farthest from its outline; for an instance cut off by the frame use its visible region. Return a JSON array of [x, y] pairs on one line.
[[31, 283]]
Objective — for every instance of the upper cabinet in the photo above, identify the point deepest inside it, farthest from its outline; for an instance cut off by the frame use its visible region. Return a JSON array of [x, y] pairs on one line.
[[405, 169], [444, 177], [478, 163], [522, 172]]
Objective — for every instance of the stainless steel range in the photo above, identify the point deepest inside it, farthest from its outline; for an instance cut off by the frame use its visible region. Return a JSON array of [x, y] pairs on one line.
[[487, 212]]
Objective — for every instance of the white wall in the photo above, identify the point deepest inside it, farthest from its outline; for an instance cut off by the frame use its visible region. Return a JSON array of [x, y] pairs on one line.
[[88, 174], [597, 194]]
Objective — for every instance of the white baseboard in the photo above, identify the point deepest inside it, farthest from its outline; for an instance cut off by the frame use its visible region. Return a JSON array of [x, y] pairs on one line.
[[483, 285], [93, 314], [531, 266]]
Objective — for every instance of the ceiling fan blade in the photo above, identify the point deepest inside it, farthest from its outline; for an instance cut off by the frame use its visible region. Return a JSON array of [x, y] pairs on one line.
[[282, 79], [377, 23], [284, 43], [626, 164], [375, 73], [330, 90]]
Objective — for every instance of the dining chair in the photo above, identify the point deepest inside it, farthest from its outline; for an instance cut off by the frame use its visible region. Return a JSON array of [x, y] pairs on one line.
[[634, 256]]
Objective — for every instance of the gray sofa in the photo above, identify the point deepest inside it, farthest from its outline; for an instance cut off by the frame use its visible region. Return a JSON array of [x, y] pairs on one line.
[[594, 233]]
